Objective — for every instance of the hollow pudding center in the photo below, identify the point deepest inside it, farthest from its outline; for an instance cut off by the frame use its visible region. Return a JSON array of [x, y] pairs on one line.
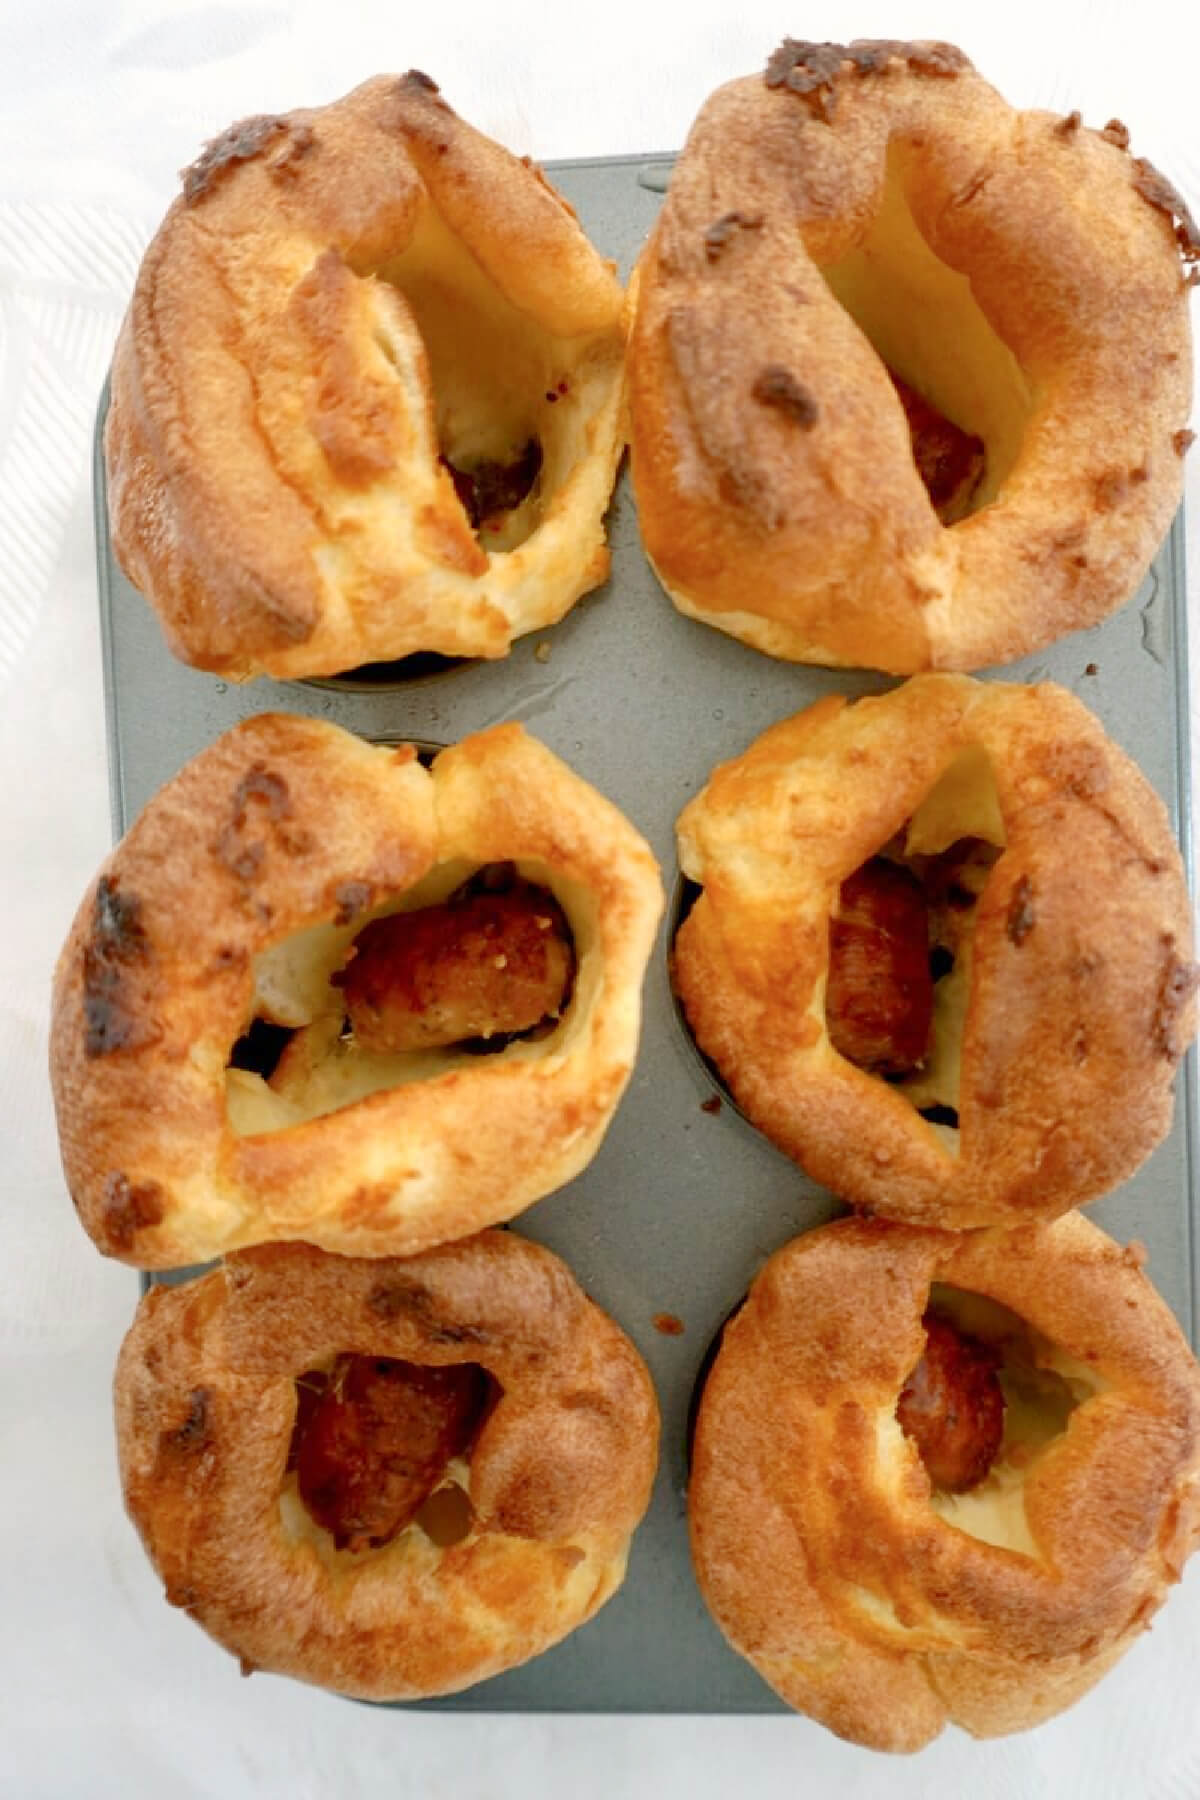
[[373, 1440], [950, 461], [901, 942], [988, 1398], [470, 962], [492, 962], [498, 379], [965, 397], [489, 491]]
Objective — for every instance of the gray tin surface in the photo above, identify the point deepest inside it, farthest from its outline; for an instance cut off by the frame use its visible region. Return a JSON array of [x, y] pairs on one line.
[[680, 1207]]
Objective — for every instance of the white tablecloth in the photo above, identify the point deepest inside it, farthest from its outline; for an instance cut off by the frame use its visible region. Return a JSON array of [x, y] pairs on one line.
[[106, 1691]]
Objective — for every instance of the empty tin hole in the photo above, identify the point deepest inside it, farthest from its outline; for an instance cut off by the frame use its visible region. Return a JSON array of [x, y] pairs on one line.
[[427, 751], [684, 896], [260, 1047], [702, 1374], [378, 677]]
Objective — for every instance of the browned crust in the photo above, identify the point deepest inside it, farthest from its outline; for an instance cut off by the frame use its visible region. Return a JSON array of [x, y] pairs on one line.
[[796, 1510], [814, 538], [284, 823], [559, 1476], [819, 73], [256, 421], [1082, 988]]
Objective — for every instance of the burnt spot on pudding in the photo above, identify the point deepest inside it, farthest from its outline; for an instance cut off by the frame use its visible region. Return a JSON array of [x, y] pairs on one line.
[[778, 388], [115, 958], [129, 1207], [237, 144]]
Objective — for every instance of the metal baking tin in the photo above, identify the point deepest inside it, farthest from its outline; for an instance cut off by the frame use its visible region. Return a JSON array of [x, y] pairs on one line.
[[682, 1205]]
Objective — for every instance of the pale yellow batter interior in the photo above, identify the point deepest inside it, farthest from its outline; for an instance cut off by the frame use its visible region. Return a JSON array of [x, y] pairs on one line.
[[495, 370], [322, 1069], [1042, 1387], [922, 319]]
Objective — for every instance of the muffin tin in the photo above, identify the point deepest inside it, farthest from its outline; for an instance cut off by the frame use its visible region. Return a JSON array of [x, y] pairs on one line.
[[684, 1201]]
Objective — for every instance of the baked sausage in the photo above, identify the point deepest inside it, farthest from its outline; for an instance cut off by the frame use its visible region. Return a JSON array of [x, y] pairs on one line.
[[483, 964], [488, 489], [879, 992], [952, 1407], [949, 461], [373, 1438]]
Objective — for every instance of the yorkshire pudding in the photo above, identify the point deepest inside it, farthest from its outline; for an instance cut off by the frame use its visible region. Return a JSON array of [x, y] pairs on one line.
[[465, 1074], [388, 1478], [942, 952], [910, 370], [865, 1591], [367, 398]]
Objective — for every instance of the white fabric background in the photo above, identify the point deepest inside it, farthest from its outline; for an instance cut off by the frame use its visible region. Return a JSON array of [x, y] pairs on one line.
[[106, 1691]]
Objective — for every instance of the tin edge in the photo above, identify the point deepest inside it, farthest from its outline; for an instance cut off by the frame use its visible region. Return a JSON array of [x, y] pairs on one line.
[[1187, 848], [116, 784]]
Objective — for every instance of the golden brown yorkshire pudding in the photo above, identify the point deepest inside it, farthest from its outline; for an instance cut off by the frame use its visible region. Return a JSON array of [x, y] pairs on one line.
[[468, 1072], [910, 370], [942, 952], [866, 1591], [367, 398], [389, 1478]]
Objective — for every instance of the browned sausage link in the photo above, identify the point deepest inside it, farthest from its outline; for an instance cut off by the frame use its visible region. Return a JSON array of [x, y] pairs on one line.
[[879, 992], [483, 963], [372, 1441], [949, 461], [952, 1407], [488, 490]]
